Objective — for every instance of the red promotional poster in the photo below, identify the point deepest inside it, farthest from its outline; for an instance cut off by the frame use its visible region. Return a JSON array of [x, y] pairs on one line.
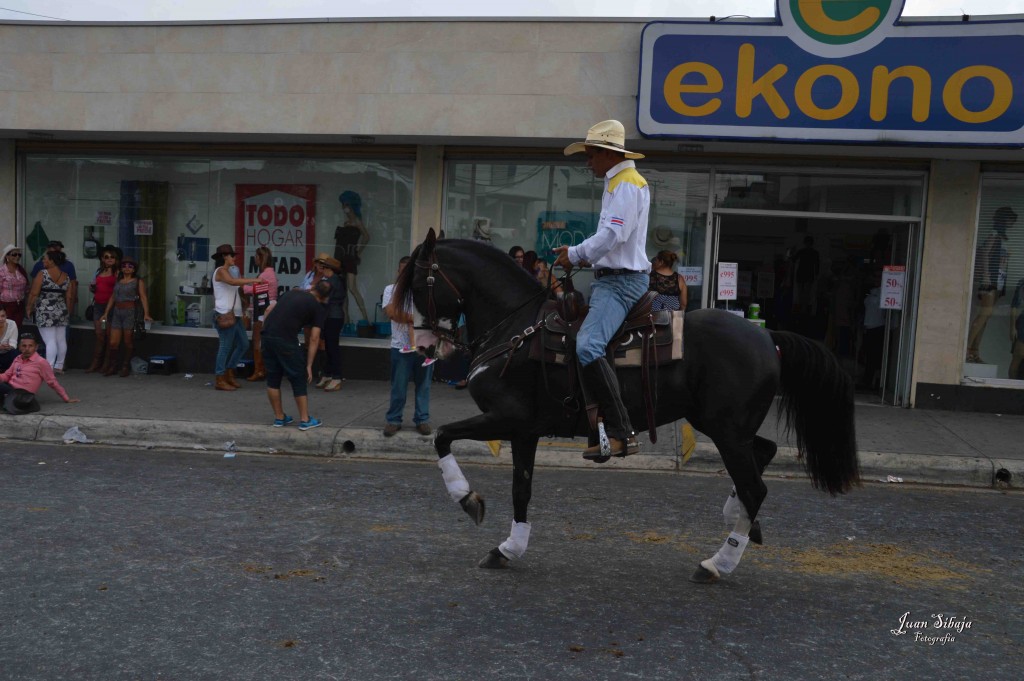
[[281, 217]]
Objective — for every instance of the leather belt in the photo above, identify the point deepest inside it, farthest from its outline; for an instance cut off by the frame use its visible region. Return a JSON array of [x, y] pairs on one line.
[[607, 272]]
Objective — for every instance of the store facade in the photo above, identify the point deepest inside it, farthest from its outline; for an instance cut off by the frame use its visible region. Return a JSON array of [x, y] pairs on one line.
[[169, 139]]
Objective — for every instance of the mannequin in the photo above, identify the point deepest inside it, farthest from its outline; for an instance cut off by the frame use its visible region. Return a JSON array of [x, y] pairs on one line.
[[992, 259], [350, 238]]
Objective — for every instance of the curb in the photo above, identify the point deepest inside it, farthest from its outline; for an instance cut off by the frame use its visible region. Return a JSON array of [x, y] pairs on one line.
[[370, 443]]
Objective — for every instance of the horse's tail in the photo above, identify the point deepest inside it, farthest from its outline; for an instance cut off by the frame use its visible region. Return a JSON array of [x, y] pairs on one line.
[[817, 400]]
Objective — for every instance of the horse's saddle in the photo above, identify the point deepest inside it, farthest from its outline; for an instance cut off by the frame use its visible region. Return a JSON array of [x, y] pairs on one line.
[[645, 338]]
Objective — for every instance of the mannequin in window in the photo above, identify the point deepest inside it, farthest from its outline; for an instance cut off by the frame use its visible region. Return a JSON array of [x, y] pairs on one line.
[[990, 265], [350, 238]]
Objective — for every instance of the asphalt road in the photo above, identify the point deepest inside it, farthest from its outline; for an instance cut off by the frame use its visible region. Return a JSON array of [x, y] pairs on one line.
[[118, 564]]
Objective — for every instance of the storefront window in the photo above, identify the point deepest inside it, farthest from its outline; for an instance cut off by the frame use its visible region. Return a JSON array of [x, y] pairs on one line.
[[995, 341], [172, 213], [538, 206]]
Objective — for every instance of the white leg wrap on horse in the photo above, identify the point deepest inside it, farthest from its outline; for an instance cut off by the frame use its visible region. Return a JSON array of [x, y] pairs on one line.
[[518, 539], [728, 557], [454, 480]]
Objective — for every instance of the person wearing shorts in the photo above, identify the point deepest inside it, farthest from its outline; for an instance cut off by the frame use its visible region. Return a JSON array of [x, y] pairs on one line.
[[282, 356]]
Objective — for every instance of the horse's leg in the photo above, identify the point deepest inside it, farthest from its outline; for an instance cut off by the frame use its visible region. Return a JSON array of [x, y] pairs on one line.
[[764, 452], [489, 426], [741, 460], [524, 453]]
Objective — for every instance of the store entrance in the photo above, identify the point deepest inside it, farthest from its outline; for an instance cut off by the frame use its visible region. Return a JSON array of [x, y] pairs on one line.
[[822, 277]]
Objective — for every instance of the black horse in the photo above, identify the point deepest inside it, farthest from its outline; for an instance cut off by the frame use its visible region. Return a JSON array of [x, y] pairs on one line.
[[730, 374]]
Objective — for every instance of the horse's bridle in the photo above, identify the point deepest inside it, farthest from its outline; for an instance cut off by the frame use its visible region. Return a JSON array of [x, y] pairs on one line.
[[432, 319], [434, 268]]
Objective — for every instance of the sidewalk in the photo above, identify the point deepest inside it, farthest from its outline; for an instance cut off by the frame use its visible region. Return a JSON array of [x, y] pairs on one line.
[[919, 446]]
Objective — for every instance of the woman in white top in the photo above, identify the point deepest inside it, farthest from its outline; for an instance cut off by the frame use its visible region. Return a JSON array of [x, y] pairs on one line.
[[228, 298]]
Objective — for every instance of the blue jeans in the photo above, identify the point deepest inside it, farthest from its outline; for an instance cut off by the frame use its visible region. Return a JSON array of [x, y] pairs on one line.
[[406, 367], [610, 300], [233, 344]]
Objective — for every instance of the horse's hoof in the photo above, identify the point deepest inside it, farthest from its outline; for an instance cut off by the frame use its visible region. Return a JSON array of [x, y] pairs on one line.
[[703, 576], [473, 505], [755, 533], [494, 560], [597, 458]]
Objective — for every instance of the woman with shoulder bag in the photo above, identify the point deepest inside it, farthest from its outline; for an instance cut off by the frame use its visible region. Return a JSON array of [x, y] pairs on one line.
[[102, 288], [14, 284], [227, 318], [121, 316]]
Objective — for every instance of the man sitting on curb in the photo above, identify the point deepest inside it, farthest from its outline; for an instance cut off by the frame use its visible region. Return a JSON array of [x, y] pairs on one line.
[[282, 324], [20, 383]]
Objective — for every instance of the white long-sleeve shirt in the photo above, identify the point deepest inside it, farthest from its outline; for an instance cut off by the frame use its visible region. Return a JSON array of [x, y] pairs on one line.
[[621, 238]]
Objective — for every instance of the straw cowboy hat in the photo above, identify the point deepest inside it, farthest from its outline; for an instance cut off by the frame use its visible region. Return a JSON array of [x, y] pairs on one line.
[[663, 239], [329, 261], [606, 135]]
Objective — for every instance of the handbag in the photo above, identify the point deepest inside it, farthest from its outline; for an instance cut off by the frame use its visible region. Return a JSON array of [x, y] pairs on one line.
[[228, 319], [90, 313]]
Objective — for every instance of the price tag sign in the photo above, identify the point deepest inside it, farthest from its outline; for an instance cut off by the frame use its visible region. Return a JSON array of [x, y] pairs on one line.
[[894, 278], [727, 280], [693, 276]]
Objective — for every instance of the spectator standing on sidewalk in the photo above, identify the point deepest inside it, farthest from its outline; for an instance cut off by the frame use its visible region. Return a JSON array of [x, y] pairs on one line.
[[331, 271], [14, 282], [227, 299], [49, 303], [127, 301], [66, 266], [8, 340], [102, 289], [282, 356], [265, 268], [20, 383], [405, 366]]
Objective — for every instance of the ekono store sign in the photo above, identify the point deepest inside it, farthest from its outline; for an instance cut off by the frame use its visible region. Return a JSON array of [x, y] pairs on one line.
[[837, 71]]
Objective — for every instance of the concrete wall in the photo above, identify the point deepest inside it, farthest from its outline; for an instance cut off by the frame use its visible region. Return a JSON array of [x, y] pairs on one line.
[[376, 78], [429, 187], [950, 219]]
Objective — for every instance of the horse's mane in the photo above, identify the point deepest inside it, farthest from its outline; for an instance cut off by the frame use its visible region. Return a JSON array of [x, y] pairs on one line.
[[494, 259]]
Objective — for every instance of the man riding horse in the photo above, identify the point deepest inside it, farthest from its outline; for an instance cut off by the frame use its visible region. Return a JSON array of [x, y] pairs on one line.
[[618, 254]]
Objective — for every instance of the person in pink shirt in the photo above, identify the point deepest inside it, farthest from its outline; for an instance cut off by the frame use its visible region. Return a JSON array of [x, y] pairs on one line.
[[21, 381], [265, 266]]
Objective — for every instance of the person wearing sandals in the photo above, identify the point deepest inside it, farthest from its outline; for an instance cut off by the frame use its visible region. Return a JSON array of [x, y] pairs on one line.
[[282, 356], [330, 269], [48, 303], [227, 299], [121, 314], [264, 265], [102, 289]]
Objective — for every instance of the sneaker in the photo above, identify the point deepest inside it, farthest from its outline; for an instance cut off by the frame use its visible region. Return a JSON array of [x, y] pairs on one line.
[[428, 361], [333, 386], [407, 350], [324, 380], [281, 423], [391, 428], [424, 428], [311, 423]]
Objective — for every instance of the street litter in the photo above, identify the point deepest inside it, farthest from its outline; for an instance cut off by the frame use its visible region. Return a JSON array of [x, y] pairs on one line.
[[189, 377], [891, 478], [199, 447], [229, 455], [73, 434], [229, 446]]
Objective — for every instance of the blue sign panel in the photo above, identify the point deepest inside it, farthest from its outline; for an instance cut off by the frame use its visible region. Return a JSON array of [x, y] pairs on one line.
[[846, 78]]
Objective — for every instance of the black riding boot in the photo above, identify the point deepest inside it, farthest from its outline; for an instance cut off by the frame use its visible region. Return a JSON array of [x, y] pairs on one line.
[[601, 384]]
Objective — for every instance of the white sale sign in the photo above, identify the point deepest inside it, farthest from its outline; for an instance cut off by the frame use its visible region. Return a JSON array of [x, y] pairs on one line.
[[894, 279], [727, 280]]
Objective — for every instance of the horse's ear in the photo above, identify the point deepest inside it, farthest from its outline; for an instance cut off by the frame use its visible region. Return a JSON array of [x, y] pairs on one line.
[[429, 243]]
